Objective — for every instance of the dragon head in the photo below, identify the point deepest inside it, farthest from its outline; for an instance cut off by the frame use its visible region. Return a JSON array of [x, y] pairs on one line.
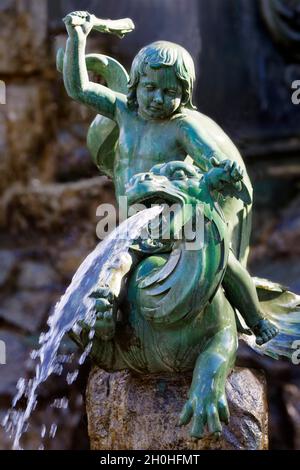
[[175, 182], [177, 187]]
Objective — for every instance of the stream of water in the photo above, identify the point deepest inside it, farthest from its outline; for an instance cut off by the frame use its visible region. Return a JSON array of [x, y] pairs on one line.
[[74, 306]]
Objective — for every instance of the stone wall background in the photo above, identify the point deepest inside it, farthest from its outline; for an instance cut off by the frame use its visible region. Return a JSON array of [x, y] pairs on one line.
[[49, 191]]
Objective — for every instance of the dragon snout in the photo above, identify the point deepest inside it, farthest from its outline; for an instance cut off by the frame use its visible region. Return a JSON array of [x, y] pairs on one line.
[[146, 177]]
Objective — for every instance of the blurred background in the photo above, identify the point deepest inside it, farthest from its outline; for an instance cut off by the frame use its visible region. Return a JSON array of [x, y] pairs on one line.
[[247, 57]]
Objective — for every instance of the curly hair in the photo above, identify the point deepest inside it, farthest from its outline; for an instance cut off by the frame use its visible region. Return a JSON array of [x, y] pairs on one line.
[[163, 54]]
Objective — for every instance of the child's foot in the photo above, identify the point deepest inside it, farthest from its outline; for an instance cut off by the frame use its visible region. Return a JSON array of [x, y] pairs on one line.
[[264, 330]]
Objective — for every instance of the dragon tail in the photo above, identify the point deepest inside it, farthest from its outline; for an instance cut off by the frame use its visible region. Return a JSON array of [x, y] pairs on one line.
[[282, 308]]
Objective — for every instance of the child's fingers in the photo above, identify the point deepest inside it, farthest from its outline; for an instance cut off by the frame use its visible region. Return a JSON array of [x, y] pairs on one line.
[[68, 19], [225, 164], [80, 13], [90, 18], [236, 175], [233, 167], [214, 162]]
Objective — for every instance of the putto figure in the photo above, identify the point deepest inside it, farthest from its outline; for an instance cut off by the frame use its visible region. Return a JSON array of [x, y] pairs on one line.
[[179, 309]]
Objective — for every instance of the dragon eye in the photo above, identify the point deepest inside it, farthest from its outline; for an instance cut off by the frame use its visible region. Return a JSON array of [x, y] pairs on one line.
[[179, 175]]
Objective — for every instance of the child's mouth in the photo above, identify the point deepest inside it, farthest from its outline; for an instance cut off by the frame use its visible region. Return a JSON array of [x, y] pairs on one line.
[[156, 108]]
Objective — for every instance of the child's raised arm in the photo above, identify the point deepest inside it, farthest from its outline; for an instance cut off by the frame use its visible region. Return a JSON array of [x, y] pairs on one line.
[[197, 143], [76, 79]]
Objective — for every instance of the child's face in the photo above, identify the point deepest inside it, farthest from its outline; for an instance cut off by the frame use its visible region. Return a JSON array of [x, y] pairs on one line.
[[158, 93]]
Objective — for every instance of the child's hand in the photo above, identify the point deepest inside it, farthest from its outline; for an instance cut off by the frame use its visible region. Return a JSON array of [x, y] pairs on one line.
[[80, 22], [224, 173]]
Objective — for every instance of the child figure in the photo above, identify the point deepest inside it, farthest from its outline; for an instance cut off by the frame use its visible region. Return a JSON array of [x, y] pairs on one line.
[[158, 123]]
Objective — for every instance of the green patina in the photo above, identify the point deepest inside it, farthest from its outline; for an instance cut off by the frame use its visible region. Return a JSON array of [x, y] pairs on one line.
[[177, 308]]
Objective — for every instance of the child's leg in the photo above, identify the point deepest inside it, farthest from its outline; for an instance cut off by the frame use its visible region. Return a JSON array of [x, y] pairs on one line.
[[241, 292]]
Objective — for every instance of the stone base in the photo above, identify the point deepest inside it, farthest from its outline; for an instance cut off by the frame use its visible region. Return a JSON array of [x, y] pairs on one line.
[[128, 412]]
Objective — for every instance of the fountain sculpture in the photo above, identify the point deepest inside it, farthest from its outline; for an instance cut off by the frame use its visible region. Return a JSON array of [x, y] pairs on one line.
[[178, 307], [176, 299]]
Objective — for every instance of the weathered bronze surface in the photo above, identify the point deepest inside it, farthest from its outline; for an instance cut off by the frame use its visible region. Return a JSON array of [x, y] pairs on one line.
[[178, 305]]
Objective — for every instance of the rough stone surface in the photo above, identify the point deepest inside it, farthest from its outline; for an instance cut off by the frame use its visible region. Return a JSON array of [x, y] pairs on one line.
[[16, 355], [36, 275], [8, 261], [276, 254], [23, 26], [55, 206], [72, 250], [23, 122], [129, 412], [292, 403], [27, 310]]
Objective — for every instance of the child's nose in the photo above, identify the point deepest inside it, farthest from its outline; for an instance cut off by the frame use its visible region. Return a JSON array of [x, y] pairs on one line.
[[158, 97]]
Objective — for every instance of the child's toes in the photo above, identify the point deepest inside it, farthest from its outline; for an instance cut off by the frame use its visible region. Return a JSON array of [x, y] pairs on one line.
[[259, 340], [262, 338], [273, 332], [266, 336]]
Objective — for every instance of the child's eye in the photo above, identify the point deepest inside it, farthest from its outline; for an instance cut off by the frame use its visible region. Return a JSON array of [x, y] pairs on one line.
[[149, 87], [171, 92]]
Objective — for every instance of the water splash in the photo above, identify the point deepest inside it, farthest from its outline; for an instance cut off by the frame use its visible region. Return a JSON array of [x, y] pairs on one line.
[[72, 376], [60, 403], [43, 431], [74, 306], [53, 430]]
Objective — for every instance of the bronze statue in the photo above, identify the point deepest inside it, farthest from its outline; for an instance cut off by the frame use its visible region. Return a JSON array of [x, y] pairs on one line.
[[179, 309]]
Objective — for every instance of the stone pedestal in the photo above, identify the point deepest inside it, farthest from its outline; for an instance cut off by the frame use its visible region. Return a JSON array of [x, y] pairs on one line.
[[128, 412]]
